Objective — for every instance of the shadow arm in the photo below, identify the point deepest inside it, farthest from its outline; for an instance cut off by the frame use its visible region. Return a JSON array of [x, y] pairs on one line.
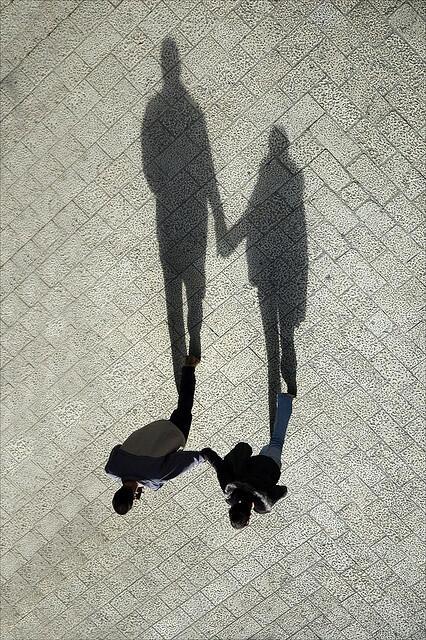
[[234, 236], [149, 152]]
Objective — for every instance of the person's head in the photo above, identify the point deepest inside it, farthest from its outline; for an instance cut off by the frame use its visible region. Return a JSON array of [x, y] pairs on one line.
[[170, 61], [278, 141], [123, 499], [239, 514]]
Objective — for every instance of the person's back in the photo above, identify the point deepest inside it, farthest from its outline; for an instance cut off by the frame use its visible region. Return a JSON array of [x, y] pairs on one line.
[[251, 481], [152, 455], [259, 471]]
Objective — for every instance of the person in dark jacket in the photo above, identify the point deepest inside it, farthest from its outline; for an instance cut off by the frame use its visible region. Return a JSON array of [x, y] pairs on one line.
[[152, 455], [250, 482]]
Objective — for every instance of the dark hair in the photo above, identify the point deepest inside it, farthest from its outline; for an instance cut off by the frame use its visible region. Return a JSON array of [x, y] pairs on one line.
[[123, 500], [239, 514]]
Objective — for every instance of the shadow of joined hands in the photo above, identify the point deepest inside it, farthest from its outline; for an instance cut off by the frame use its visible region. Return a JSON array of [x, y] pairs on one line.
[[274, 228]]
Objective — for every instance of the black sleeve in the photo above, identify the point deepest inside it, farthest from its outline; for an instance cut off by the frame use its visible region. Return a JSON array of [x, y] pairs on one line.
[[222, 470], [212, 457]]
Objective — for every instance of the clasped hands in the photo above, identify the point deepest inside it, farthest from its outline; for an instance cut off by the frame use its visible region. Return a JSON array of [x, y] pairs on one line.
[[223, 248]]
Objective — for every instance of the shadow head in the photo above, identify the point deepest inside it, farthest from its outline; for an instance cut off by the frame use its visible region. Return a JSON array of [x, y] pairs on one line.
[[170, 60], [278, 141]]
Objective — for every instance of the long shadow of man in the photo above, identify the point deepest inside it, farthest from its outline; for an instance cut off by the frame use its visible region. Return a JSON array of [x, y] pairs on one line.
[[178, 166], [275, 229]]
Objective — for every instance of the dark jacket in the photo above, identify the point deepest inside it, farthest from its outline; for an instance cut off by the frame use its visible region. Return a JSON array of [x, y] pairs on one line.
[[149, 471], [242, 475]]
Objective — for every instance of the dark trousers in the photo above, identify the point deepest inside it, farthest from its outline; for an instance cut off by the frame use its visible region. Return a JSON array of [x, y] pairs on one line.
[[182, 416]]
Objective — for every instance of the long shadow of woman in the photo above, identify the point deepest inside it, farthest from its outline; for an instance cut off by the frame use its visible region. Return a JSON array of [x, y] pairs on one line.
[[178, 165], [277, 258]]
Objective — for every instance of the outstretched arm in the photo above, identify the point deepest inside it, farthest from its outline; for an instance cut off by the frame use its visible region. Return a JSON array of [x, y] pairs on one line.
[[224, 247], [180, 461], [233, 238], [218, 215], [227, 240], [212, 457], [222, 470]]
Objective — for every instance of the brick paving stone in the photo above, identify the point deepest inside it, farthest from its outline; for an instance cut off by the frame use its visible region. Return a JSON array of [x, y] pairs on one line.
[[337, 187]]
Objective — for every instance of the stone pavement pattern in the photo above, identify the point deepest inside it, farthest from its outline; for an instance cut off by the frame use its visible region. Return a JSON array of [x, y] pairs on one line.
[[86, 353]]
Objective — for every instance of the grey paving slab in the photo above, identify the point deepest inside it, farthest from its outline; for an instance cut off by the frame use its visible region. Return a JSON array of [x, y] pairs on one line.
[[305, 121]]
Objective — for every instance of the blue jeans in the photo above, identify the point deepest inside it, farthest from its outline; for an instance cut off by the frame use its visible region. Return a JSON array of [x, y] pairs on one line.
[[282, 417]]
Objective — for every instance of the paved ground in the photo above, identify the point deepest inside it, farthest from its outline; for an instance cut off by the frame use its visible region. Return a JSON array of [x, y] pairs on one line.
[[309, 112]]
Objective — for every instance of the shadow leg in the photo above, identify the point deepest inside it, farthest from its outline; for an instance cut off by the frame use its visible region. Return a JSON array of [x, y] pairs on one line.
[[195, 291], [174, 304], [195, 316], [288, 352], [269, 313]]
